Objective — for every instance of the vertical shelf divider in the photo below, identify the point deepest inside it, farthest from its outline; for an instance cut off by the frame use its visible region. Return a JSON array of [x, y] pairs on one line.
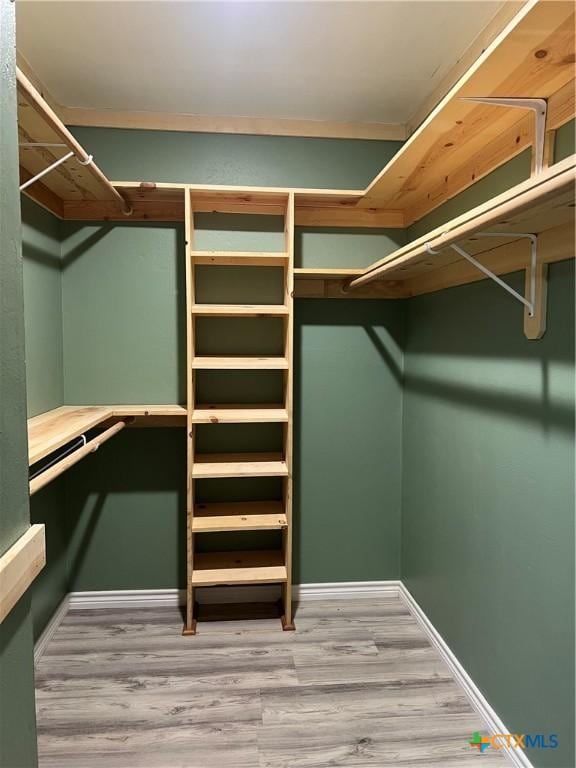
[[190, 623], [287, 618]]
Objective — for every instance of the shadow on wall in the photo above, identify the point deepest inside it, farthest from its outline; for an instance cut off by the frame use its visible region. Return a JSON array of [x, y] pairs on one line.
[[126, 512], [484, 362]]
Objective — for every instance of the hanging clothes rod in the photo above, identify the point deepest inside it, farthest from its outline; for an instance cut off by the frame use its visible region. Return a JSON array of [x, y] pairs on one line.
[[34, 98], [92, 445], [73, 446]]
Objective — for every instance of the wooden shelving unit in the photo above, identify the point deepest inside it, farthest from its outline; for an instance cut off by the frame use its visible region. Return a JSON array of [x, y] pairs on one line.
[[239, 567]]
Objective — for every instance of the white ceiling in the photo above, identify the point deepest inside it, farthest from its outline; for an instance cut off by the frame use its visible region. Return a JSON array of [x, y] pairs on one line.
[[338, 61]]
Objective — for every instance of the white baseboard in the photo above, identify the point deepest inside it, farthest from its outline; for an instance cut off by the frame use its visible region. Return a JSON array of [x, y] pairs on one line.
[[475, 696], [155, 598], [50, 629]]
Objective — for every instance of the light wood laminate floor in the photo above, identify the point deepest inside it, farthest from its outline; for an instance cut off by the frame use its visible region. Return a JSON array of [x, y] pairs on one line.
[[356, 685]]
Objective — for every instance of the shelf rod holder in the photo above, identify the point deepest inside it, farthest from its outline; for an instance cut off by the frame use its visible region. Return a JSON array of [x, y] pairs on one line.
[[47, 170], [539, 107], [528, 303]]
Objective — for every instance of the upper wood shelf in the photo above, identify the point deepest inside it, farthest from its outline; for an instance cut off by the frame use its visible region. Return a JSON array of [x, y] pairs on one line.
[[51, 430], [461, 141], [457, 144], [539, 204], [44, 139]]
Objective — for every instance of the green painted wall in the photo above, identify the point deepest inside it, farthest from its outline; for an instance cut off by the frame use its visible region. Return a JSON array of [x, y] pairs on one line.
[[202, 158], [17, 715], [42, 263], [488, 482], [41, 251], [488, 499]]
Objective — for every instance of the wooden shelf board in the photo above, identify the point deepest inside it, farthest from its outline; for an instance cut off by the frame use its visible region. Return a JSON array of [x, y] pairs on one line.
[[542, 202], [228, 568], [78, 178], [51, 430], [239, 363], [242, 310], [240, 258], [238, 413], [239, 465], [532, 57], [239, 516], [327, 273]]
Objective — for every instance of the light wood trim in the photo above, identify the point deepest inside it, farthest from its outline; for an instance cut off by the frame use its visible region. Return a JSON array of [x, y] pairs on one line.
[[62, 466], [51, 430], [308, 216], [228, 568], [556, 244], [19, 566], [339, 289], [289, 223], [239, 363], [238, 414], [493, 154], [215, 465], [253, 126], [495, 26], [238, 523], [239, 516], [239, 310], [239, 258], [455, 129], [190, 271], [35, 100], [535, 326], [553, 182]]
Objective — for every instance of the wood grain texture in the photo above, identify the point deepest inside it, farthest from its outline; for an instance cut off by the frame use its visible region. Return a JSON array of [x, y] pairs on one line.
[[51, 430], [356, 685]]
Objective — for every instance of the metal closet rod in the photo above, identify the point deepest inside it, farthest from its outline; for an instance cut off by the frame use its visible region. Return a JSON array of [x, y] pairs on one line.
[[51, 118], [92, 445]]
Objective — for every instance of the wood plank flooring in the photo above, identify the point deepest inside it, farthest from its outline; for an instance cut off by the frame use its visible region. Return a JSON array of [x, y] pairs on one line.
[[357, 685]]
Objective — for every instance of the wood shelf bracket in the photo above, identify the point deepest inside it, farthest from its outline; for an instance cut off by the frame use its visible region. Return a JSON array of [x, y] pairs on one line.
[[535, 304], [539, 108]]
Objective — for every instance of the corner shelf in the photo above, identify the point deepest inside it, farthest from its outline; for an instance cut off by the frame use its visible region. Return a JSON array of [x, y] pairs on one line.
[[49, 431]]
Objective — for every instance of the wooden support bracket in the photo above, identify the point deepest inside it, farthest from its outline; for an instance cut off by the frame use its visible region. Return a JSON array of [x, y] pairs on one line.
[[536, 280], [19, 566]]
